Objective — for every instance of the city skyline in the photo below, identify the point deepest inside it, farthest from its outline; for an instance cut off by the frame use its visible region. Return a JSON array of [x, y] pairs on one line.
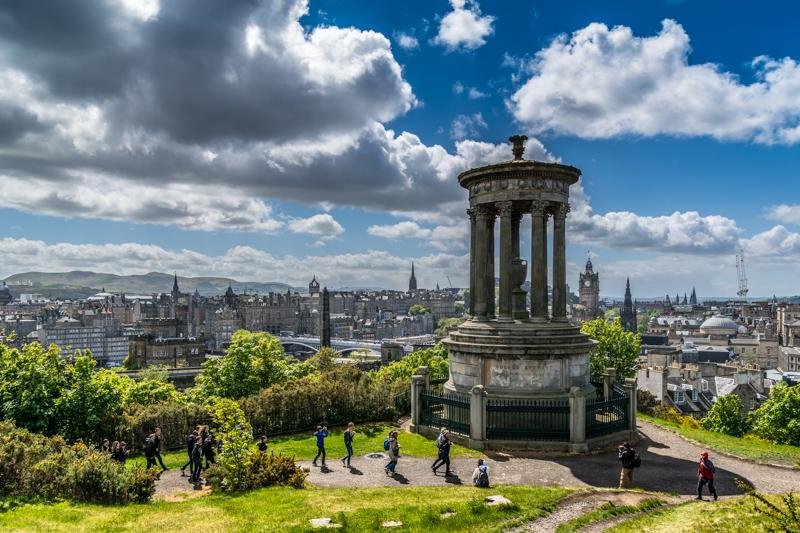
[[238, 141]]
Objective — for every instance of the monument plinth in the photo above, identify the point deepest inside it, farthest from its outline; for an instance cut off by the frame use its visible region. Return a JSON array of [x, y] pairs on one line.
[[510, 352]]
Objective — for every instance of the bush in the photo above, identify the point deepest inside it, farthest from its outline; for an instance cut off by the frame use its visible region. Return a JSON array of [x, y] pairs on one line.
[[727, 416], [33, 466], [176, 420], [673, 415], [277, 469], [777, 420], [645, 402], [434, 358]]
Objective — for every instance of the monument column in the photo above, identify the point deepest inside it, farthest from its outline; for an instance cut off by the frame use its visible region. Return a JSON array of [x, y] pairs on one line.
[[560, 262], [472, 262], [538, 262], [516, 219], [489, 262], [506, 257], [478, 272]]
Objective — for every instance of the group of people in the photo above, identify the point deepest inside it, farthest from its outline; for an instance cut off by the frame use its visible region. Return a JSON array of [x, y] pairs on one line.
[[480, 476], [200, 444], [117, 450], [631, 460]]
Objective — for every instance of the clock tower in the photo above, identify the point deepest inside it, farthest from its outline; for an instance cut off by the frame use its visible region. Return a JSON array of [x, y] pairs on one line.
[[590, 290]]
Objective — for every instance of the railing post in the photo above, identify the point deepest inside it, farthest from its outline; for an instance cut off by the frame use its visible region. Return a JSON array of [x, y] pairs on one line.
[[577, 420], [425, 373], [608, 383], [477, 418], [630, 389], [417, 386]]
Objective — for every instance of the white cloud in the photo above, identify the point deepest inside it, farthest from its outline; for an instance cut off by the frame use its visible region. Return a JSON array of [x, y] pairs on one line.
[[406, 41], [458, 87], [401, 230], [475, 94], [319, 224], [601, 83], [370, 268], [786, 214], [464, 28], [464, 126], [777, 244]]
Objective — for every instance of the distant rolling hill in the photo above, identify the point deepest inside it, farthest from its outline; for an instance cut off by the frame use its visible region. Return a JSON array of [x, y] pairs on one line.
[[77, 284]]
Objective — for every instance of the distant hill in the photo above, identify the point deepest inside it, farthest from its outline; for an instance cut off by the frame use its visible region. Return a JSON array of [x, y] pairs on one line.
[[78, 283]]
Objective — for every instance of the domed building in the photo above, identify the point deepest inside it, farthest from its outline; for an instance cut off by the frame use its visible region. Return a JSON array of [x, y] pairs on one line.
[[5, 294], [719, 326]]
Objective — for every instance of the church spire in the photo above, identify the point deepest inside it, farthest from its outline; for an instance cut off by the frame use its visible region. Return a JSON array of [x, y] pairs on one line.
[[412, 281], [175, 289]]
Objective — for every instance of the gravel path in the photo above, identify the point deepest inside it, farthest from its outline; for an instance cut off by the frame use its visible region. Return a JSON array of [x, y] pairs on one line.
[[172, 487], [669, 464]]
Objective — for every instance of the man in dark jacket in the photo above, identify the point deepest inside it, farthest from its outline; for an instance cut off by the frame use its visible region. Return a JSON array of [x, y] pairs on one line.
[[157, 434], [321, 434], [443, 442], [190, 438], [150, 450], [197, 460], [627, 455], [705, 474]]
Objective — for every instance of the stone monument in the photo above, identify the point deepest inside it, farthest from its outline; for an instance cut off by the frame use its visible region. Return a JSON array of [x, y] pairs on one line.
[[502, 347]]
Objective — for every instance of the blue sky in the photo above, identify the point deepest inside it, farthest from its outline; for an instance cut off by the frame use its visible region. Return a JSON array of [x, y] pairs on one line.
[[269, 142]]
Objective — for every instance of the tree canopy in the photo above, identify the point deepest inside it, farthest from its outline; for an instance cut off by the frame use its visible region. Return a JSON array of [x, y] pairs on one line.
[[418, 309], [726, 416], [616, 348], [777, 419]]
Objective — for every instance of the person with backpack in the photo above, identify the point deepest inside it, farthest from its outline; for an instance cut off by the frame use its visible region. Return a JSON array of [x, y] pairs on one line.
[[197, 460], [630, 460], [157, 435], [208, 449], [349, 433], [150, 450], [190, 438], [393, 447], [705, 474], [480, 477], [443, 444], [321, 434]]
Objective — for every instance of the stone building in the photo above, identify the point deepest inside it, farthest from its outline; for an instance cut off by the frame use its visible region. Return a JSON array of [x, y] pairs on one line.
[[589, 294]]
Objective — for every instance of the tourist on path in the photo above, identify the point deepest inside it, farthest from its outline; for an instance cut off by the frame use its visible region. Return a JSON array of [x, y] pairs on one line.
[[628, 457], [480, 477], [394, 453], [208, 449], [157, 434], [705, 474], [197, 460], [349, 433], [443, 443], [190, 439], [321, 434], [262, 444], [150, 450]]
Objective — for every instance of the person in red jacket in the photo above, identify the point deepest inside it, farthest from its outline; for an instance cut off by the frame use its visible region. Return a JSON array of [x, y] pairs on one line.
[[706, 476]]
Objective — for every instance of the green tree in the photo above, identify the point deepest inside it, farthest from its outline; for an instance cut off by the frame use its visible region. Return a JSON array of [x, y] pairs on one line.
[[727, 416], [147, 392], [322, 361], [253, 360], [777, 419], [234, 461], [93, 401], [446, 325], [434, 358], [418, 309], [31, 381], [615, 348], [643, 321]]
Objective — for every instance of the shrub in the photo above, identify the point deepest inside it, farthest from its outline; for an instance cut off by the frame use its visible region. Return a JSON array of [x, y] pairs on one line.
[[434, 358], [777, 419], [670, 414], [33, 466], [277, 469], [645, 401], [727, 416], [233, 467], [176, 420]]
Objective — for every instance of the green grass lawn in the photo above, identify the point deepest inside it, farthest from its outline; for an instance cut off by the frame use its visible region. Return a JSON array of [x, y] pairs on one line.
[[369, 438], [759, 450], [729, 515], [283, 509]]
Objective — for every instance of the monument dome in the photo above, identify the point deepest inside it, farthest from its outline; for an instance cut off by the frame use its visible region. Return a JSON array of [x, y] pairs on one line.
[[719, 325]]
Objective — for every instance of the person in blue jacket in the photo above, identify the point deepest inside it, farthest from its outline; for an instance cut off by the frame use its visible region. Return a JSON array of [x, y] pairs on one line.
[[321, 434]]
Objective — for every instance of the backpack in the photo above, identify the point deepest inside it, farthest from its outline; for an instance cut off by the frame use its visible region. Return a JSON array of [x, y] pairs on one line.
[[440, 440], [149, 446], [710, 466], [637, 461], [483, 477], [386, 444]]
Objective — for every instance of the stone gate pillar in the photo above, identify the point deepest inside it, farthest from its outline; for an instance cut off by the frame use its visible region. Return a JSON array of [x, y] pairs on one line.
[[577, 420], [477, 418], [630, 390], [417, 386]]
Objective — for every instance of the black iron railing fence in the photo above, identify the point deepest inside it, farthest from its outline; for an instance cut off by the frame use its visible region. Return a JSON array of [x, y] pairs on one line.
[[442, 409], [607, 415], [539, 420]]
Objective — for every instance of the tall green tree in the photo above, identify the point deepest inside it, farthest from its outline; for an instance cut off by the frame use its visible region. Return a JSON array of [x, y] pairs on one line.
[[726, 416], [616, 348], [778, 419], [434, 358], [253, 360], [31, 381], [418, 309], [235, 460]]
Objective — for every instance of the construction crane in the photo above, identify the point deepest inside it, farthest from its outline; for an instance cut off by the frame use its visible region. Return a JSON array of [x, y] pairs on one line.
[[450, 282], [740, 273]]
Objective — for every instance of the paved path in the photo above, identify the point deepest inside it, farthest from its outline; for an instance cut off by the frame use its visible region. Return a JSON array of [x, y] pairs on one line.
[[669, 464]]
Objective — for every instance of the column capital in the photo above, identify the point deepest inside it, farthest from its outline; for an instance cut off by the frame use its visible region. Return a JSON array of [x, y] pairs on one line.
[[560, 210], [485, 212], [505, 208], [471, 213], [538, 207]]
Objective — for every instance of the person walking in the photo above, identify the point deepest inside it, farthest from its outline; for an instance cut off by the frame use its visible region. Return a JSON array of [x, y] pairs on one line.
[[629, 459], [321, 434], [208, 448], [105, 447], [393, 447], [190, 438], [123, 453], [262, 444], [480, 476], [158, 444], [349, 433], [150, 450], [118, 453], [705, 475], [443, 444], [197, 460]]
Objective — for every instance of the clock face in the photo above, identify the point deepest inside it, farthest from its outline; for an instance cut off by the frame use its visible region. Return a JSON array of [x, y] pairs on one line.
[[587, 283]]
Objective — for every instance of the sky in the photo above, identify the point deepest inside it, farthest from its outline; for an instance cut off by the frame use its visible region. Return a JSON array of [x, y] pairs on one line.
[[280, 139]]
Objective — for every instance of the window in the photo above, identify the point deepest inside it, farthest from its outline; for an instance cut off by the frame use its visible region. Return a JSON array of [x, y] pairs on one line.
[[704, 385], [694, 395], [679, 397]]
